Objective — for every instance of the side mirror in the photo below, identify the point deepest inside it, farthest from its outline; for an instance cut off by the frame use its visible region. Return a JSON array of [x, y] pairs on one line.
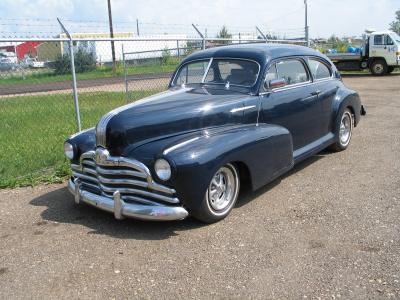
[[277, 83]]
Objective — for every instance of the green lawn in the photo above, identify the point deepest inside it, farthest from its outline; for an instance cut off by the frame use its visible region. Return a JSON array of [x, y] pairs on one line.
[[47, 75], [33, 129]]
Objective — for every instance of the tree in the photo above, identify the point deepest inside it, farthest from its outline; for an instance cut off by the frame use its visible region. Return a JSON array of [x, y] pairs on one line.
[[224, 34], [339, 44], [395, 25]]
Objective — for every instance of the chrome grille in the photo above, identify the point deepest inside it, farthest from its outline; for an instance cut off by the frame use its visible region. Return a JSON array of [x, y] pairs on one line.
[[100, 173]]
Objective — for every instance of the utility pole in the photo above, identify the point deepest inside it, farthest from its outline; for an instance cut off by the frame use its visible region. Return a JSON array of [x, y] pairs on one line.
[[306, 25], [137, 27], [111, 34]]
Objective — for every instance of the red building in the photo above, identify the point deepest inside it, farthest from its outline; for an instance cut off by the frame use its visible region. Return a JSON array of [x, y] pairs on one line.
[[23, 49]]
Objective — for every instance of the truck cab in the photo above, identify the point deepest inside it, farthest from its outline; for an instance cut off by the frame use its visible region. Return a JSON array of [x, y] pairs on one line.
[[380, 54], [384, 52]]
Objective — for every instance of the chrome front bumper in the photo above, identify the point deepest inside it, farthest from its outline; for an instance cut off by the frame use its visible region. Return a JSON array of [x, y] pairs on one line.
[[121, 209]]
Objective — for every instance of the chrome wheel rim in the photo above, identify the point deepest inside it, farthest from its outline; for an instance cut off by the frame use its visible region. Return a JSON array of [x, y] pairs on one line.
[[223, 189], [378, 68], [346, 125]]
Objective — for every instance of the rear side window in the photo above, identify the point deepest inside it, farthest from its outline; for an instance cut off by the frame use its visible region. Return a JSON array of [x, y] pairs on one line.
[[318, 69], [292, 70]]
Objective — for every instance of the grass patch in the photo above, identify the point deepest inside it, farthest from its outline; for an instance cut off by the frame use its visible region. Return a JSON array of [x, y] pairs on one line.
[[46, 76], [33, 130]]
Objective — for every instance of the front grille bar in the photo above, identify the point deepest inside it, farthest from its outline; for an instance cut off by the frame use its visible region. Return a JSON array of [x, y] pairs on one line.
[[132, 179]]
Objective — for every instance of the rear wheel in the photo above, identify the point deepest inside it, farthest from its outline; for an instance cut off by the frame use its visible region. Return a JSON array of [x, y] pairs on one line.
[[345, 130], [221, 195], [390, 70], [379, 67]]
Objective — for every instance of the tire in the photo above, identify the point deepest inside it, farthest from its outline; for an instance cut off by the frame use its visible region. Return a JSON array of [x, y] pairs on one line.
[[344, 131], [379, 67], [221, 195]]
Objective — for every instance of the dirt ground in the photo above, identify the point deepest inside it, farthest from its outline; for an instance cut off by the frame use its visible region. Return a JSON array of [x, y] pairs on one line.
[[330, 229]]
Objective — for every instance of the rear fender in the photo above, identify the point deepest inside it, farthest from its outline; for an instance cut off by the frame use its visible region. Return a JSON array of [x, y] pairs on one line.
[[346, 98]]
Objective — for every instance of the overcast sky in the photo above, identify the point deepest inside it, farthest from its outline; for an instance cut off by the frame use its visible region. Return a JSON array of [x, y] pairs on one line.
[[326, 17]]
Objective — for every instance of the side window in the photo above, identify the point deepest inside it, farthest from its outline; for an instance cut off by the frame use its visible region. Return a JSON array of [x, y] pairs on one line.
[[389, 41], [318, 69], [191, 73], [378, 39], [292, 70], [270, 75]]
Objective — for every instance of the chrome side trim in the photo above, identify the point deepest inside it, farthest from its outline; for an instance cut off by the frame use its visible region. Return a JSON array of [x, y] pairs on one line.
[[294, 86], [242, 108], [170, 149], [122, 209]]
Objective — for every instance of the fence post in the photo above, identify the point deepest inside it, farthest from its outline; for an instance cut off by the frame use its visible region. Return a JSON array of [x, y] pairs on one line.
[[74, 84], [262, 34], [125, 74], [177, 48], [201, 35]]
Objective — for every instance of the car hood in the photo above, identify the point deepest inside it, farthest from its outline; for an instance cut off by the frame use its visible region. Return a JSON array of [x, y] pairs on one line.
[[176, 111]]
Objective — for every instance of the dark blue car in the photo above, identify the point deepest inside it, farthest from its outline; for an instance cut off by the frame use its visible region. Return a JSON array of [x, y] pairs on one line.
[[233, 116]]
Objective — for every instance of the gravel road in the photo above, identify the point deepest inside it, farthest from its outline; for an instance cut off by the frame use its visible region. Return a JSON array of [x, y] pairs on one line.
[[329, 229], [19, 89]]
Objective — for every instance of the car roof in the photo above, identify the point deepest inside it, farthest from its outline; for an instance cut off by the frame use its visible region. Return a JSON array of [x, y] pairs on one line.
[[261, 52]]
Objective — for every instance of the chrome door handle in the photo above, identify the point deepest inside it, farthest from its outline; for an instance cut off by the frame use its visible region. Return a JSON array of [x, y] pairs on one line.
[[316, 93]]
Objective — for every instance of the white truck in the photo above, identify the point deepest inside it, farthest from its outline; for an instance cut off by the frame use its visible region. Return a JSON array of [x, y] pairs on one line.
[[380, 54]]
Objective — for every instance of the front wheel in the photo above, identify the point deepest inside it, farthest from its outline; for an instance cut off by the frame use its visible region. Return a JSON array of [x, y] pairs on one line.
[[221, 195], [379, 67], [345, 130]]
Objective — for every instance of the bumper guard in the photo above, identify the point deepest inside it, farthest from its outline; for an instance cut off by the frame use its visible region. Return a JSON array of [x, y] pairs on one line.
[[121, 209]]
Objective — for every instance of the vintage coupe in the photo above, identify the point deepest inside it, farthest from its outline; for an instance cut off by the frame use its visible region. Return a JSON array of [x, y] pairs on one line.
[[234, 115]]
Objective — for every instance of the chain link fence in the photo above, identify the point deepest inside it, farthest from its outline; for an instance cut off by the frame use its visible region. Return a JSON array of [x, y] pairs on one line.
[[40, 108]]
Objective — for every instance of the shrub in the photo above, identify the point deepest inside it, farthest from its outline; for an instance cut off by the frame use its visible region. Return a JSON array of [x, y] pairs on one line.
[[84, 62], [62, 65], [166, 56]]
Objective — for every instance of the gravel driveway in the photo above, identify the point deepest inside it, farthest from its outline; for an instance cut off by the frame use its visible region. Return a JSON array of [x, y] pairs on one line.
[[329, 229]]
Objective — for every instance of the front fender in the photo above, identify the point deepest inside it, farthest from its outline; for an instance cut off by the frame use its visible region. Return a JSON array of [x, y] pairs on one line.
[[82, 142], [266, 150]]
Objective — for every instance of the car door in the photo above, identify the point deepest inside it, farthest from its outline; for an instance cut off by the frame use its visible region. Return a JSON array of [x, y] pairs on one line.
[[326, 86], [294, 105], [383, 46]]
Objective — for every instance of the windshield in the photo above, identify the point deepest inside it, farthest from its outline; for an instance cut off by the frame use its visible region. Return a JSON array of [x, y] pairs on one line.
[[220, 71], [396, 37]]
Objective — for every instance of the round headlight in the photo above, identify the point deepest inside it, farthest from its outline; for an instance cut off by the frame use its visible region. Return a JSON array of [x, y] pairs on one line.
[[163, 169], [68, 150]]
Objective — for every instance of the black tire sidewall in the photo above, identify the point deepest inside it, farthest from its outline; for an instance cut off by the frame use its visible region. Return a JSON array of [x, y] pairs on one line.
[[384, 67]]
